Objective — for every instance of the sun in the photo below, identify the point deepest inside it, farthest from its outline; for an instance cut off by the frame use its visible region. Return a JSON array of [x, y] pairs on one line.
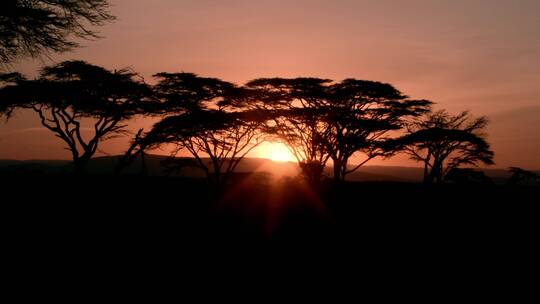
[[276, 151]]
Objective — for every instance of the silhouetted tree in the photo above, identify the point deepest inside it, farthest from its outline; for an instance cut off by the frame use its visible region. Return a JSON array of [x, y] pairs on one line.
[[69, 93], [225, 138], [175, 94], [361, 115], [443, 142], [519, 176], [34, 27], [298, 105], [207, 117], [136, 148], [320, 120]]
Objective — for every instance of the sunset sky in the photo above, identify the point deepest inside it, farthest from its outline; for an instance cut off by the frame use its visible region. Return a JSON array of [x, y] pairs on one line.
[[482, 56]]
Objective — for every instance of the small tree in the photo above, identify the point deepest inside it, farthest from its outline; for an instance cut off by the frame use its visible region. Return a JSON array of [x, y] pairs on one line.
[[34, 27], [66, 94], [444, 142]]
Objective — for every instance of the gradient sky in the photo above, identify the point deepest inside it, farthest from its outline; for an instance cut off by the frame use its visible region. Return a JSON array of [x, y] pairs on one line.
[[482, 56]]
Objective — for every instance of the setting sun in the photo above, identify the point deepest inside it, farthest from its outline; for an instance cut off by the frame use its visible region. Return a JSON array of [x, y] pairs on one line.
[[276, 152]]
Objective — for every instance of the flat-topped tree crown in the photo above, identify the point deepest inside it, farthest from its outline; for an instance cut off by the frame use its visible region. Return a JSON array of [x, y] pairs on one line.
[[282, 92], [378, 99], [93, 91], [362, 91], [185, 92]]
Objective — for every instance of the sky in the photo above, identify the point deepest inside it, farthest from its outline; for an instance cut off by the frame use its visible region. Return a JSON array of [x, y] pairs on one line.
[[477, 55]]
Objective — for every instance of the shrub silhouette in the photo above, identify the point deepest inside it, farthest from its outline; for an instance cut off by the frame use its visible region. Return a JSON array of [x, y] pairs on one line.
[[467, 175], [520, 176]]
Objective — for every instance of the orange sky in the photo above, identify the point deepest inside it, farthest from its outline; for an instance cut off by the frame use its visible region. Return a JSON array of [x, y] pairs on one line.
[[483, 56]]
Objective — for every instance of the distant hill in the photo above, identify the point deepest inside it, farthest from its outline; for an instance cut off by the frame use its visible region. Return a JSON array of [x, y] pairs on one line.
[[155, 167], [33, 167]]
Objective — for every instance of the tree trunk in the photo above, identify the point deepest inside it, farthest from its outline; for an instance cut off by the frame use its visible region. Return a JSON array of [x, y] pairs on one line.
[[435, 175], [215, 177], [312, 171], [428, 179], [440, 175], [338, 177], [144, 168], [79, 166]]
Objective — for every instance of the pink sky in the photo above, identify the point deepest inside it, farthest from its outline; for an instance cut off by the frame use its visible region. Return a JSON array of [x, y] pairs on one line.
[[482, 56]]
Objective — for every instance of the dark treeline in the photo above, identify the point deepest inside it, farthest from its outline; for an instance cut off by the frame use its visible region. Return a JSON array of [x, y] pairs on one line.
[[320, 120]]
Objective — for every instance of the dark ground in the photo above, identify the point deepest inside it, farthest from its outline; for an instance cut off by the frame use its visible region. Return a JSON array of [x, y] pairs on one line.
[[154, 228], [254, 210]]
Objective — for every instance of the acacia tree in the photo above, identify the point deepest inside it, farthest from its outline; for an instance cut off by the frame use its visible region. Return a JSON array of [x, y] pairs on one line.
[[224, 137], [34, 27], [444, 142], [361, 116], [176, 94], [298, 105], [206, 117], [320, 120], [68, 94]]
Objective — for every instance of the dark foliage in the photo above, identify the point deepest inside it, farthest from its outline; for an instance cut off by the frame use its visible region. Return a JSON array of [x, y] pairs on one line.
[[467, 175], [37, 27]]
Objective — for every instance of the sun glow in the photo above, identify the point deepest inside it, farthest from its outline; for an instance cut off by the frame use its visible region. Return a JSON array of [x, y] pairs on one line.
[[276, 152]]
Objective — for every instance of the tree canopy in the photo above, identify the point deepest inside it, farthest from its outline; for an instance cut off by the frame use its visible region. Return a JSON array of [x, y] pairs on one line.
[[36, 27]]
